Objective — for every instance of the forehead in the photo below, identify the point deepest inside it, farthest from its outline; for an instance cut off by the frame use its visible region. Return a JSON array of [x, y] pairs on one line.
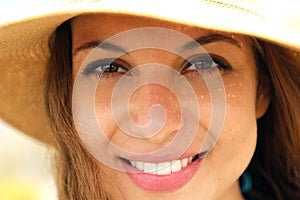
[[102, 26]]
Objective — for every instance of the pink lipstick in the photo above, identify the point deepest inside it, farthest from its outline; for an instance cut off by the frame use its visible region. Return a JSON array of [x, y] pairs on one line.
[[163, 176]]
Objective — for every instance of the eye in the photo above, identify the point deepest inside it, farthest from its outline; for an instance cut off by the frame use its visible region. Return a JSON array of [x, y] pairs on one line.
[[206, 62], [105, 66]]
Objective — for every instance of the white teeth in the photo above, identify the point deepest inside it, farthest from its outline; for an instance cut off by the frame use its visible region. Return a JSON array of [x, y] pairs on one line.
[[176, 165], [184, 162], [163, 168], [139, 165], [150, 168]]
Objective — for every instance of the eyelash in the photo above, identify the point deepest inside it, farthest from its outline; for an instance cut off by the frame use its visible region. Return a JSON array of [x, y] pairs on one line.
[[205, 63]]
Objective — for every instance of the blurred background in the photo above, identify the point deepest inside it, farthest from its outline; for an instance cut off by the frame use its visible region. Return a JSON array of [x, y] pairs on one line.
[[26, 172], [25, 164]]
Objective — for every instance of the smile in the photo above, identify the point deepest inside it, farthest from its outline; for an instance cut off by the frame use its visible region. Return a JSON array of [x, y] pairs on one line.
[[163, 176]]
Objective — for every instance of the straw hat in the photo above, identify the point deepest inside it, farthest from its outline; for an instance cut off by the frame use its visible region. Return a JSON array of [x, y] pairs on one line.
[[24, 35]]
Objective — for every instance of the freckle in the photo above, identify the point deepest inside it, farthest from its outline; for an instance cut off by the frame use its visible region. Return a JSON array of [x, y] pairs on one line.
[[231, 95], [236, 85]]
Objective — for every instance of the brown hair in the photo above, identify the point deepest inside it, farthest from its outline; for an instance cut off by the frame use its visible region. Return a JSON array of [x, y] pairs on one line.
[[275, 167], [77, 174]]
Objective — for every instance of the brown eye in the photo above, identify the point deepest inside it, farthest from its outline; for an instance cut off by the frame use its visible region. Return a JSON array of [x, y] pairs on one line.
[[112, 67], [105, 66]]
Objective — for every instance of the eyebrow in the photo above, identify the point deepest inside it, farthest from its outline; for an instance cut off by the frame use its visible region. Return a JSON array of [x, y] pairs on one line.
[[203, 40], [99, 44]]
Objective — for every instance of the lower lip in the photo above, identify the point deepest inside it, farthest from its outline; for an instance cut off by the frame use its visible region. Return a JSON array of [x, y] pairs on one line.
[[161, 183]]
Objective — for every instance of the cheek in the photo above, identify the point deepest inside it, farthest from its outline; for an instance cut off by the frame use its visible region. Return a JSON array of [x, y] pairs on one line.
[[238, 140], [241, 101], [103, 108], [235, 147], [240, 124]]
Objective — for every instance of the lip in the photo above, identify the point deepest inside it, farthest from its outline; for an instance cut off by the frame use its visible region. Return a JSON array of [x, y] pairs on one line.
[[161, 183]]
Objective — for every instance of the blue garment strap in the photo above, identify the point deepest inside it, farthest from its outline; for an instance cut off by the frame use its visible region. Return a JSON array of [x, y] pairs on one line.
[[246, 182]]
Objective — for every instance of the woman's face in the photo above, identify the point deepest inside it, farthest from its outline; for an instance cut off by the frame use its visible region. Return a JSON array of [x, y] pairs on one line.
[[214, 176]]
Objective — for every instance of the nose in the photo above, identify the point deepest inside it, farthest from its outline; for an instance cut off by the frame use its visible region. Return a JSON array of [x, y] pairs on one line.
[[154, 110], [156, 106]]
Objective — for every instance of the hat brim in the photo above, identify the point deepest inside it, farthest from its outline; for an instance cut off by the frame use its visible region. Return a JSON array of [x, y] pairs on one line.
[[24, 44]]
